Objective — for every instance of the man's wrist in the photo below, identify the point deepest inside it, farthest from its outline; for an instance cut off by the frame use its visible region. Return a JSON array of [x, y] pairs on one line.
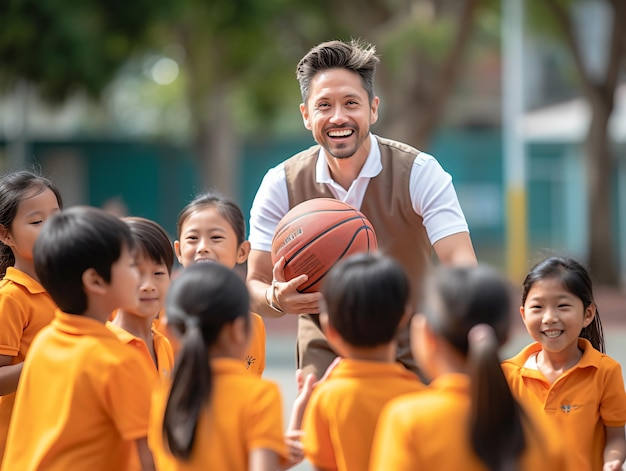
[[270, 298]]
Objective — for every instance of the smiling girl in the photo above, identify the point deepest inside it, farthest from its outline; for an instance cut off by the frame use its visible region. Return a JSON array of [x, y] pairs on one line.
[[565, 373], [26, 201], [212, 229]]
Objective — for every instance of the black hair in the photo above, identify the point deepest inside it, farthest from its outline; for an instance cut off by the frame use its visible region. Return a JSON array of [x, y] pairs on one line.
[[365, 297], [461, 302], [73, 241], [357, 56], [200, 302], [576, 280], [152, 240], [14, 187], [225, 206]]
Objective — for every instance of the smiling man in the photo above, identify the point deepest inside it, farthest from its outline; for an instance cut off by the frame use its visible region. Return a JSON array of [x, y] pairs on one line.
[[404, 192]]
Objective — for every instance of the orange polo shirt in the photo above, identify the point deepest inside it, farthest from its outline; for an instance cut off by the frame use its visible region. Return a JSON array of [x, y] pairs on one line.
[[25, 308], [254, 359], [340, 418], [162, 348], [580, 402], [244, 413], [426, 430], [83, 395]]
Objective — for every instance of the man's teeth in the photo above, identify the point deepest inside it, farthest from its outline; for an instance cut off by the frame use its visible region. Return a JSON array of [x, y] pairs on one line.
[[343, 133]]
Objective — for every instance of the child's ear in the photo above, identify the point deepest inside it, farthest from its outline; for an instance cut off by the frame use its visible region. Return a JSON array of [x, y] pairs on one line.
[[93, 283], [522, 313], [177, 251], [243, 251], [332, 336], [240, 331], [422, 333], [590, 313], [406, 317], [5, 237]]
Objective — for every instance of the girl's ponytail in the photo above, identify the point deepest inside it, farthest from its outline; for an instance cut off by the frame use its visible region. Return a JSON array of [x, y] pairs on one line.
[[496, 431], [191, 389], [200, 302]]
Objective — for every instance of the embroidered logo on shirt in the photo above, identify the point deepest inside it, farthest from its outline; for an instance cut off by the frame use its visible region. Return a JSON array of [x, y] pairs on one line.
[[249, 361], [567, 408]]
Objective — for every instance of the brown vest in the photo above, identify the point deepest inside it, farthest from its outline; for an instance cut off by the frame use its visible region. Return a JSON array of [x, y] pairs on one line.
[[387, 204]]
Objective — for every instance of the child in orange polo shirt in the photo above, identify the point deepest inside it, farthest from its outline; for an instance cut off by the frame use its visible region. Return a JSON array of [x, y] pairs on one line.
[[136, 326], [155, 258], [215, 414], [565, 373], [467, 418], [365, 300], [83, 395], [26, 201], [212, 229]]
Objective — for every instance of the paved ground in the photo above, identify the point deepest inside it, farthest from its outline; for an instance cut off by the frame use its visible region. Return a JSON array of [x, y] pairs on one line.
[[281, 344]]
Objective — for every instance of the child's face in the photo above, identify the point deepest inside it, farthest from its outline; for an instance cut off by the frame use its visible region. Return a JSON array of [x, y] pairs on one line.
[[154, 280], [31, 213], [124, 283], [206, 236], [554, 317]]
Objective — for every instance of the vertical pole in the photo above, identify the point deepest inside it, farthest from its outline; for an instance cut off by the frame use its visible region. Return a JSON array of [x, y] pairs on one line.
[[513, 141]]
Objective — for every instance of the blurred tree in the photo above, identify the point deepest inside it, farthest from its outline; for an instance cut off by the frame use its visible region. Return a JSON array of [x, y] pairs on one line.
[[598, 88], [239, 59], [63, 46]]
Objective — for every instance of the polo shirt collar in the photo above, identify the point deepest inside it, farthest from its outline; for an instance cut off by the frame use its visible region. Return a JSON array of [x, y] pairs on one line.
[[373, 165], [74, 324], [21, 278], [591, 357], [452, 382], [351, 368], [225, 365]]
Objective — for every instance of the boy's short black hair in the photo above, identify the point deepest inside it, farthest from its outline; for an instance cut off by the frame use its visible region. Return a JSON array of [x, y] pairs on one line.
[[151, 240], [365, 297], [71, 242]]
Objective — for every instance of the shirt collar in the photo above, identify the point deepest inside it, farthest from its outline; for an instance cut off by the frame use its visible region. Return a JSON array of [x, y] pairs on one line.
[[75, 324], [352, 368], [372, 167], [21, 278]]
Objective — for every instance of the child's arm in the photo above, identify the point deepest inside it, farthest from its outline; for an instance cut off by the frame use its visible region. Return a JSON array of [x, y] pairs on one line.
[[615, 449], [262, 459], [305, 388], [293, 433], [9, 375], [145, 455]]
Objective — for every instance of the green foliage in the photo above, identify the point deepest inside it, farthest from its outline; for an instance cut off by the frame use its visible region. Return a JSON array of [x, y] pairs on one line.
[[68, 45]]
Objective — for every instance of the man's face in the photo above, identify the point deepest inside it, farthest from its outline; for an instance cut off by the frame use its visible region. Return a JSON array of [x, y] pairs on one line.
[[338, 112]]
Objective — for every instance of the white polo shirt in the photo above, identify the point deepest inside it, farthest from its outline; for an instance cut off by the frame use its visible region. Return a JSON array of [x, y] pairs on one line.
[[432, 195]]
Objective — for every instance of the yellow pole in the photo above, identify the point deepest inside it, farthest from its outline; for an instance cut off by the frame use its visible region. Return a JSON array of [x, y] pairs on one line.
[[516, 235], [513, 139]]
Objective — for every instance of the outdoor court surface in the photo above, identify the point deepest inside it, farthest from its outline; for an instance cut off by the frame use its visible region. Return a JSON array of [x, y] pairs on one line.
[[281, 334]]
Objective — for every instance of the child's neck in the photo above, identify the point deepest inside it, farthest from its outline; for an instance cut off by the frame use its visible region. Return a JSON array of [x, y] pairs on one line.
[[26, 267], [382, 353], [138, 326], [553, 364]]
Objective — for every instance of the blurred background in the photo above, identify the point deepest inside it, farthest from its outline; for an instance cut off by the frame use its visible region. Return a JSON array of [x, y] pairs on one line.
[[137, 105]]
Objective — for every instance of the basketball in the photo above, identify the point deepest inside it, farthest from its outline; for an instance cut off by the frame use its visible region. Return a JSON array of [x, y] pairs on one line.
[[316, 234]]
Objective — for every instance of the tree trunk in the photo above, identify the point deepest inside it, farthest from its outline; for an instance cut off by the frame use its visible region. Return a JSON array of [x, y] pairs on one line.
[[600, 172], [217, 148]]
